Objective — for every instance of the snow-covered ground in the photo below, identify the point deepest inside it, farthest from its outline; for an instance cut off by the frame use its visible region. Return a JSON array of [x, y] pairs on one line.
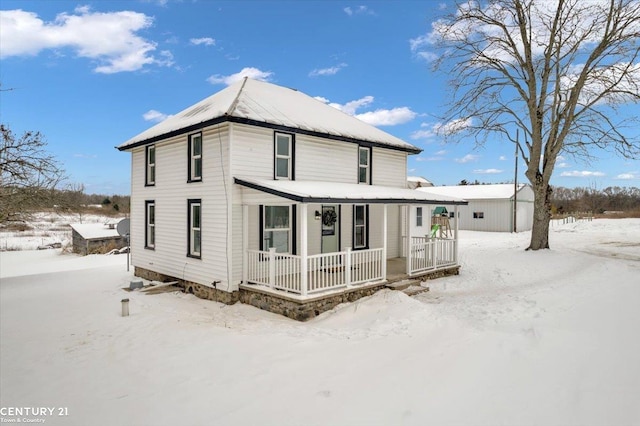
[[518, 338]]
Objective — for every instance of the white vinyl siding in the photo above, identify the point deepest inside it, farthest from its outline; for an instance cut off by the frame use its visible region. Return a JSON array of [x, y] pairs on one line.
[[388, 167], [171, 193]]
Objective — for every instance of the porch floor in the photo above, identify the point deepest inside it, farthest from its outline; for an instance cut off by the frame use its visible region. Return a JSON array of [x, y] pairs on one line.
[[396, 269]]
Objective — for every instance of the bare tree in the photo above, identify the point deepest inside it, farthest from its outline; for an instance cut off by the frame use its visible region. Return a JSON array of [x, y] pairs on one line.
[[558, 73], [28, 173]]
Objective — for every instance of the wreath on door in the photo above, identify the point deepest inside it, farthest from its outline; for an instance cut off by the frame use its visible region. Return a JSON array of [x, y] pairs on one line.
[[329, 217]]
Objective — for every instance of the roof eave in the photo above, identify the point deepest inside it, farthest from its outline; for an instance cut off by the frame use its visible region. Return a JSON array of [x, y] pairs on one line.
[[251, 122]]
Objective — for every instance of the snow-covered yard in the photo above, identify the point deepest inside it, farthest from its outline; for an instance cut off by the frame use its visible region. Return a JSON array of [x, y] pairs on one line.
[[519, 338]]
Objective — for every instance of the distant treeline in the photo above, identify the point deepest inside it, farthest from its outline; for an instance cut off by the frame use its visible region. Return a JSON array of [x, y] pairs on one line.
[[610, 199], [18, 202]]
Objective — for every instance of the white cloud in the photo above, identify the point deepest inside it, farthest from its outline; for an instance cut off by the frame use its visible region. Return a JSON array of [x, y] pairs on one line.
[[583, 174], [422, 134], [155, 116], [250, 72], [109, 38], [441, 152], [628, 176], [467, 158], [85, 155], [563, 165], [207, 41], [327, 71], [502, 158], [487, 171], [452, 126], [379, 117], [387, 117], [360, 10]]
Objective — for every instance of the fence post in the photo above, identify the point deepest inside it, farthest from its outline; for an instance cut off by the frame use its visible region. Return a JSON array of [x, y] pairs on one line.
[[272, 267], [347, 267]]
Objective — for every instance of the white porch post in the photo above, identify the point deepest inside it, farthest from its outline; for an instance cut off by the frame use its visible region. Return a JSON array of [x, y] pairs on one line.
[[272, 267], [455, 233], [245, 243], [384, 242], [408, 242], [303, 249]]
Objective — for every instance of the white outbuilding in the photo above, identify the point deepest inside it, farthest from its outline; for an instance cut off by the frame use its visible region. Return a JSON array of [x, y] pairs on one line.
[[490, 207]]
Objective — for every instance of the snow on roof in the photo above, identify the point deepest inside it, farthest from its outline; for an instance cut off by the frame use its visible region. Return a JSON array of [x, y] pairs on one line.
[[270, 104], [475, 192], [314, 191], [418, 179], [92, 231]]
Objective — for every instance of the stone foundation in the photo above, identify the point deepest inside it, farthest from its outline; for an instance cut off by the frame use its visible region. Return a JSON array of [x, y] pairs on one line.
[[298, 309], [199, 290], [289, 306]]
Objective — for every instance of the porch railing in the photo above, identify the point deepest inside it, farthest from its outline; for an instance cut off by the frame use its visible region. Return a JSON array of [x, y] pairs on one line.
[[432, 253], [326, 271]]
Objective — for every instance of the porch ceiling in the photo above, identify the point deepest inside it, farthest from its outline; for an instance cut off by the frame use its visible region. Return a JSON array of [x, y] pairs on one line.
[[345, 193]]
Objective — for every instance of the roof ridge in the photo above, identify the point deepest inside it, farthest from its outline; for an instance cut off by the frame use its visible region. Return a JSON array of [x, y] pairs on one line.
[[234, 104]]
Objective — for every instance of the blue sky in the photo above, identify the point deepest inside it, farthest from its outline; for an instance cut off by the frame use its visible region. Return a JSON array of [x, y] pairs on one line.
[[90, 75]]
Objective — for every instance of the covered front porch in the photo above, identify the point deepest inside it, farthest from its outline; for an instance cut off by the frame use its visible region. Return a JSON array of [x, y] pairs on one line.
[[305, 275]]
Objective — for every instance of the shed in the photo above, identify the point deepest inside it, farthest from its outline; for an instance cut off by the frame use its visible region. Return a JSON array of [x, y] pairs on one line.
[[91, 238], [490, 207]]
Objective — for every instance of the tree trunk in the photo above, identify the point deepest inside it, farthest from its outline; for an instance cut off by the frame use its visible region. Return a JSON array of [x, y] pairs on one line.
[[541, 215]]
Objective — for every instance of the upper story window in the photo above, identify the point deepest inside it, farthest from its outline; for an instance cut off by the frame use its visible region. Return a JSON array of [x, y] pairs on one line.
[[283, 156], [418, 216], [150, 224], [478, 215], [364, 165], [150, 162], [195, 228], [195, 157], [276, 230]]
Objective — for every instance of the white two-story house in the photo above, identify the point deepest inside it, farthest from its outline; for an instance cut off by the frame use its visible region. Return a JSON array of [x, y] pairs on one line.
[[265, 195]]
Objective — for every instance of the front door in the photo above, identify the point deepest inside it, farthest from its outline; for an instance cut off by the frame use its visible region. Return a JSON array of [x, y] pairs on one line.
[[330, 223]]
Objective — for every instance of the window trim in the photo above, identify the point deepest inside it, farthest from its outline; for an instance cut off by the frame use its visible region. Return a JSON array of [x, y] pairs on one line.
[[191, 202], [148, 226], [366, 227], [367, 166], [291, 158], [419, 216], [192, 157], [148, 166]]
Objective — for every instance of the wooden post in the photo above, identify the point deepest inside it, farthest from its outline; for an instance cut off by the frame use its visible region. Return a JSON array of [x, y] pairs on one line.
[[408, 243], [455, 234], [347, 267], [245, 244], [272, 267], [303, 249], [384, 242]]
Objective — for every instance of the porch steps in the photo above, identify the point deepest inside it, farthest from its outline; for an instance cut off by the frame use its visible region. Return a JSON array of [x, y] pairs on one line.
[[409, 287]]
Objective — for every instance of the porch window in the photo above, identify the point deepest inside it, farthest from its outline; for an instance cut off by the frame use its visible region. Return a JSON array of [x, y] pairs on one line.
[[360, 226], [418, 216], [478, 215], [150, 224], [283, 166], [150, 169], [276, 230], [195, 157], [364, 165], [195, 228]]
